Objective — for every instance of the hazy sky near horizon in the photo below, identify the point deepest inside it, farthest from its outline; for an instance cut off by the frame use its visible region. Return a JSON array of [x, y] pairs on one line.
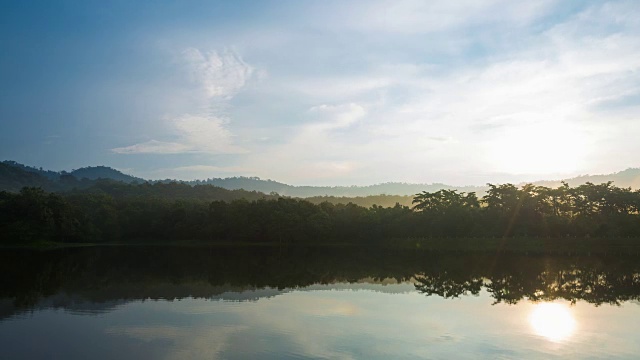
[[323, 92]]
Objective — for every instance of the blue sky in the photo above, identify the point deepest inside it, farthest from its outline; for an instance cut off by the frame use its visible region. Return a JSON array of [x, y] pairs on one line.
[[323, 92]]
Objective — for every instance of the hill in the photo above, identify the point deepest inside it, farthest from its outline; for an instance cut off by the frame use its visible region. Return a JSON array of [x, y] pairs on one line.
[[104, 172], [269, 186], [14, 176], [626, 178], [101, 180], [166, 191], [51, 175]]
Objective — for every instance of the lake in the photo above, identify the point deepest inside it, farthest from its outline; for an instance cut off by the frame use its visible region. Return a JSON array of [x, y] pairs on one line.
[[315, 302]]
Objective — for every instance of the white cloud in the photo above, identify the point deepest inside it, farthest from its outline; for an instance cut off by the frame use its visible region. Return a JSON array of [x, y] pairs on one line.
[[400, 104], [219, 74], [416, 16], [208, 168], [312, 150], [337, 88], [195, 133], [337, 116], [196, 172], [152, 147], [206, 134], [535, 110]]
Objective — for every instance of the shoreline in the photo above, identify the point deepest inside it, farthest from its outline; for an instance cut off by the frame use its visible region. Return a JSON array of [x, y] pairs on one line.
[[533, 245]]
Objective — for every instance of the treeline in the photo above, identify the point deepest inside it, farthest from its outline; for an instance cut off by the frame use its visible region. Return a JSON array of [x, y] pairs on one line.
[[117, 212], [506, 210], [364, 201], [124, 215]]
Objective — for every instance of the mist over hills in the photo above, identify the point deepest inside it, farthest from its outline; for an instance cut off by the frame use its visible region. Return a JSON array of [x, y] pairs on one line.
[[268, 186], [14, 176], [626, 178]]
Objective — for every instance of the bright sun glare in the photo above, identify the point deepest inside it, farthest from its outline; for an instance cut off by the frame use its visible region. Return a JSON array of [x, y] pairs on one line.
[[552, 321], [538, 150]]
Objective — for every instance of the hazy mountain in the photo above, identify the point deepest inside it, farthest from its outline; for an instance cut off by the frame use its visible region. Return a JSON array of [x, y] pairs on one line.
[[51, 175], [104, 172], [365, 201], [268, 186], [14, 176], [626, 178]]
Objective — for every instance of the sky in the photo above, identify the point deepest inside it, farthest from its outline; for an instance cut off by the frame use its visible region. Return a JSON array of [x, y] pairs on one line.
[[323, 92]]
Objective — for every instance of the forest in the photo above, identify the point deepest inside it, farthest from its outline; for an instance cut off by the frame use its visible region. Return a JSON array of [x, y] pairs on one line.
[[114, 212]]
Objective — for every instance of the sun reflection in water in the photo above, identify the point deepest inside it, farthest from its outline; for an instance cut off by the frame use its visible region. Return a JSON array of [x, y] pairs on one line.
[[552, 321]]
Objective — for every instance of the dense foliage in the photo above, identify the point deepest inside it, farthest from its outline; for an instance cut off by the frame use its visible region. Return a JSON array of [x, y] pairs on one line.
[[117, 212]]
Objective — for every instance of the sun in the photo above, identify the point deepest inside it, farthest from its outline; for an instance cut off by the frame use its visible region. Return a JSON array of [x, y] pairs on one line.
[[538, 150], [552, 321]]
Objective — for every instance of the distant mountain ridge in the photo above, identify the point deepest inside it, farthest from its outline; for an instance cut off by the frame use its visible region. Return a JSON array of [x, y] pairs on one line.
[[626, 178], [51, 175], [14, 176], [269, 186], [89, 172]]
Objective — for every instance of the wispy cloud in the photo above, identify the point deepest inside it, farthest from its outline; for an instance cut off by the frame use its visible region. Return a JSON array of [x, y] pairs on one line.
[[221, 74], [219, 77], [195, 133], [531, 109], [415, 16], [336, 116], [319, 148], [419, 91], [152, 147], [197, 172]]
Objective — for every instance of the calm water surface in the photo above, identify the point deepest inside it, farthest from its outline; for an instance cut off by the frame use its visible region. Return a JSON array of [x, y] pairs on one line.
[[226, 303]]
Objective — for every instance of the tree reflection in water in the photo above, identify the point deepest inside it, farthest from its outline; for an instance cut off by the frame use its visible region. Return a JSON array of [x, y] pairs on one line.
[[108, 275]]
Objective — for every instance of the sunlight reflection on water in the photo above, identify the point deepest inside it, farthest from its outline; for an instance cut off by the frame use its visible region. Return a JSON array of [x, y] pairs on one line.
[[378, 322], [553, 321]]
